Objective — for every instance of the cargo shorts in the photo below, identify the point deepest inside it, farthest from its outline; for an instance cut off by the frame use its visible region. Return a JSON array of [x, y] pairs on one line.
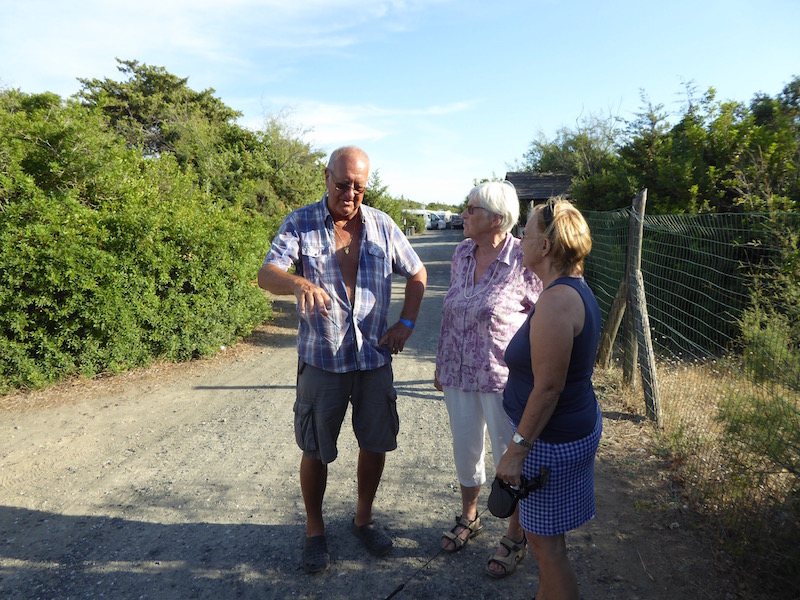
[[322, 401]]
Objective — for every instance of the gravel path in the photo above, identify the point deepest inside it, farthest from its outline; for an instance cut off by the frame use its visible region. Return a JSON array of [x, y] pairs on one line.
[[180, 481]]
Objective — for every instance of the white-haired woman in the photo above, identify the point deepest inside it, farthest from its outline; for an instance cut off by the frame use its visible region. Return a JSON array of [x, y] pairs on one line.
[[490, 295]]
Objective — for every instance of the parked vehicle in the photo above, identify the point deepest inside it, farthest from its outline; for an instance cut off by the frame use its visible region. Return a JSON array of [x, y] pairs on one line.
[[457, 222], [436, 222], [445, 215], [433, 220]]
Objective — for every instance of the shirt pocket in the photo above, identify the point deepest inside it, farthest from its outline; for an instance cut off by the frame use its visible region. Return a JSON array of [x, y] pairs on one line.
[[379, 262], [315, 257]]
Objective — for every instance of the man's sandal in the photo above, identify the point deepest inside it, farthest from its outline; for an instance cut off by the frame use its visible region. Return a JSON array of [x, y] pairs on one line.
[[315, 554], [474, 528], [516, 552]]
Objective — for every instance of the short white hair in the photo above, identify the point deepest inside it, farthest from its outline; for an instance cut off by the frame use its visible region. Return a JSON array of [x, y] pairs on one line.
[[499, 198]]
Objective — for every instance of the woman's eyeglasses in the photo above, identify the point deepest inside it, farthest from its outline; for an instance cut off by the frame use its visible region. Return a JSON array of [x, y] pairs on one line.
[[471, 209]]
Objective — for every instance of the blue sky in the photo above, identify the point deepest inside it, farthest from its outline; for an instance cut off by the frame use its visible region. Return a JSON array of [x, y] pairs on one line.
[[438, 92]]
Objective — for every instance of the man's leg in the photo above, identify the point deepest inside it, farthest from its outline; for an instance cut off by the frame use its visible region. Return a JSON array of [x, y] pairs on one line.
[[370, 470], [375, 423], [313, 480]]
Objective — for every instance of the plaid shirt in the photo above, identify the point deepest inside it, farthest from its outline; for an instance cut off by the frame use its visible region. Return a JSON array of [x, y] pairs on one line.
[[347, 338]]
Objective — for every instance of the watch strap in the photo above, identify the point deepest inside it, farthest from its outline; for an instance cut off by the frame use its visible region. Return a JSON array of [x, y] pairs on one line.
[[522, 441]]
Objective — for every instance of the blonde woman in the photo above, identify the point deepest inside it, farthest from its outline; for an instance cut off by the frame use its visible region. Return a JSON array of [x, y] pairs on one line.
[[549, 395]]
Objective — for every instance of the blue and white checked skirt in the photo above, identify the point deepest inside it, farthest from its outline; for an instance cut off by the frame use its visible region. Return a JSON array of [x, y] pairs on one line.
[[567, 500]]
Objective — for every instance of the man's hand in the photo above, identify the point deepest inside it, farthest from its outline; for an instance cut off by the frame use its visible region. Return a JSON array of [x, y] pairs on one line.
[[311, 297], [395, 337]]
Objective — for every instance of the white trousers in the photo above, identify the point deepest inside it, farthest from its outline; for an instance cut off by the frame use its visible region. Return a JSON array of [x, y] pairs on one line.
[[471, 414]]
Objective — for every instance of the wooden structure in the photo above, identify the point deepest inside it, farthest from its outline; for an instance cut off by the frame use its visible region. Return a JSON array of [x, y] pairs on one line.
[[538, 187]]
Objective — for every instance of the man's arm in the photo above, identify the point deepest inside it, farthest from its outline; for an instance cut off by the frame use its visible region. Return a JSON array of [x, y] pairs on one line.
[[415, 289], [309, 296], [397, 335]]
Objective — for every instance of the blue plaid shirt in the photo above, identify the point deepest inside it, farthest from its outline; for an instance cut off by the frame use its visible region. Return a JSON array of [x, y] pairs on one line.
[[347, 338]]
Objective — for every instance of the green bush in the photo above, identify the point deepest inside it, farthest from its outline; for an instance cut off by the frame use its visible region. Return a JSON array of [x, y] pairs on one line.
[[90, 291], [110, 259], [766, 426], [761, 422], [770, 354]]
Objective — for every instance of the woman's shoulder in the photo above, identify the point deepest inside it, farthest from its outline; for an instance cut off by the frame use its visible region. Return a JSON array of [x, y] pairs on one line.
[[464, 248], [514, 246], [558, 292]]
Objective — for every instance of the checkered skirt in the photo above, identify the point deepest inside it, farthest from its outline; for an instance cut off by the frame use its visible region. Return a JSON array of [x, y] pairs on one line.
[[567, 500]]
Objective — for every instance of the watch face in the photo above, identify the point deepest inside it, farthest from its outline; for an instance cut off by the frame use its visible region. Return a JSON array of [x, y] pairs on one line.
[[521, 440]]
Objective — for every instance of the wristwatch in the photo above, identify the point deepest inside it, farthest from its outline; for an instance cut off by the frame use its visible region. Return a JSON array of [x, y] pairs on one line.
[[522, 441]]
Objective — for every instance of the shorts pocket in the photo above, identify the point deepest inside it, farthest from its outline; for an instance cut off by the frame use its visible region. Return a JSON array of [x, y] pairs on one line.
[[392, 399], [304, 432]]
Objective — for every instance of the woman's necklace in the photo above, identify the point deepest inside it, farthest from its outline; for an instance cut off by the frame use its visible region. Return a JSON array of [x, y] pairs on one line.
[[346, 247], [484, 288]]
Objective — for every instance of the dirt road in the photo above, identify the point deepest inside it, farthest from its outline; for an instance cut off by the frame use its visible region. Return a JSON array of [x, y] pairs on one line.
[[180, 481]]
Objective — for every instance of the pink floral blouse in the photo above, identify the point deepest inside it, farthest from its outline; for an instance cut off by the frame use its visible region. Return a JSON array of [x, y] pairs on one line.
[[479, 319]]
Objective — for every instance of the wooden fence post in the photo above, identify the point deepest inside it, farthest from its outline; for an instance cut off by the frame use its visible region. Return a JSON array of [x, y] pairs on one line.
[[605, 350], [638, 304], [632, 265], [630, 350], [637, 341]]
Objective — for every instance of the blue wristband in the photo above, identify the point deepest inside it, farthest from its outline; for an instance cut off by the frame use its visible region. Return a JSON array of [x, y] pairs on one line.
[[407, 323]]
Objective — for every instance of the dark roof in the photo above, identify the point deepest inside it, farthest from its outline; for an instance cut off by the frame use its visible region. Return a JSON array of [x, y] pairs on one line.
[[532, 186]]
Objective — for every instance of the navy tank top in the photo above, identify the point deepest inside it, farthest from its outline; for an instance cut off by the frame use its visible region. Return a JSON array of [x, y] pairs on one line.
[[576, 412]]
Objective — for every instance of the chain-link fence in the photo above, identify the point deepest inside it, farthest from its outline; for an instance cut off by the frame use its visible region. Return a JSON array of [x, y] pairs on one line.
[[723, 300]]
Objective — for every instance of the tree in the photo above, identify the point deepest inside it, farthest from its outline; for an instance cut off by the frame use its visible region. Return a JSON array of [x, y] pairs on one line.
[[156, 111], [589, 155], [377, 196], [111, 259], [768, 171], [270, 171], [719, 156]]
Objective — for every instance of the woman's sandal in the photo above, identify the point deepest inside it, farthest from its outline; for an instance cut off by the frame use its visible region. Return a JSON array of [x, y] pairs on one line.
[[516, 552], [474, 528]]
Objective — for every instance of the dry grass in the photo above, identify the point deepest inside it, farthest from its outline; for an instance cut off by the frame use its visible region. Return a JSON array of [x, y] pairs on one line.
[[749, 501]]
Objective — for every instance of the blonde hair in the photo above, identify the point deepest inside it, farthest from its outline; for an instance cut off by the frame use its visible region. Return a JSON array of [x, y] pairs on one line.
[[568, 232]]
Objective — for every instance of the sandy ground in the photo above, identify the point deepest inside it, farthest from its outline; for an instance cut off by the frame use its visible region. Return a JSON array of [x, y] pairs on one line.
[[180, 481]]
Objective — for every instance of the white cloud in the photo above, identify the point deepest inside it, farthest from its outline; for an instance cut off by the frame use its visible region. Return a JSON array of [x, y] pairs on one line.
[[337, 123], [54, 42]]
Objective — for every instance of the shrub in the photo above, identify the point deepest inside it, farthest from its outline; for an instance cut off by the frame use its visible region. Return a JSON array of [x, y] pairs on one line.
[[112, 260]]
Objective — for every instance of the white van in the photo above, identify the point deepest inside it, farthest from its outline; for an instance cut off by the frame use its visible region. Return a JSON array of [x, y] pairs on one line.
[[432, 220]]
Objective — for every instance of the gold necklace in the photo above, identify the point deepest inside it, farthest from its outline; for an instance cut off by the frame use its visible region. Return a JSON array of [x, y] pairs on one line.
[[347, 247]]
